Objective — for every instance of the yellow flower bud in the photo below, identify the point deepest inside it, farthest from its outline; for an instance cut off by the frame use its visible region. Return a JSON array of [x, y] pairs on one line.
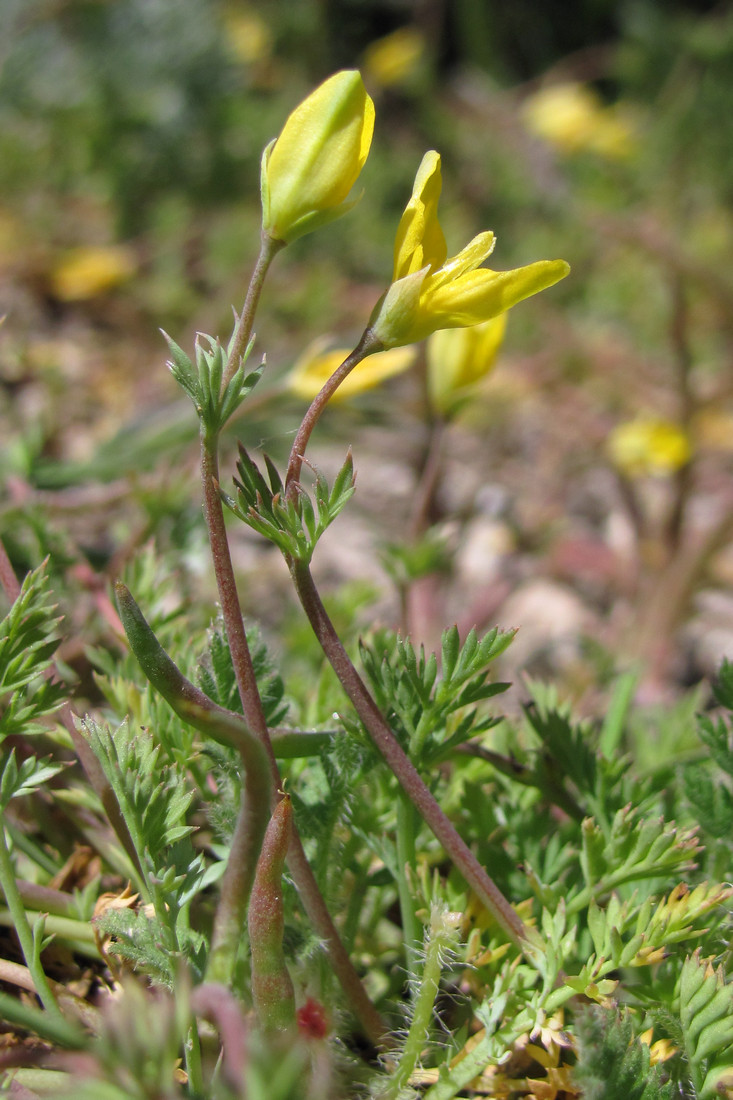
[[308, 172], [458, 358], [428, 291], [316, 365]]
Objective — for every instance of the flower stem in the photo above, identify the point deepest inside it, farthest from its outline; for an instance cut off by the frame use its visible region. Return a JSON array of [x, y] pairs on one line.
[[245, 320], [303, 876], [403, 768], [254, 715], [367, 345]]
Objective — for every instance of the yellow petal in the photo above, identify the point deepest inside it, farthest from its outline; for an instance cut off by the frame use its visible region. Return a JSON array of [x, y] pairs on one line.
[[649, 446], [479, 295], [458, 358], [419, 241], [572, 117], [475, 252]]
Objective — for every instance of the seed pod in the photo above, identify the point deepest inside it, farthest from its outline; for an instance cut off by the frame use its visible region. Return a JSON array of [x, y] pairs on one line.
[[272, 987]]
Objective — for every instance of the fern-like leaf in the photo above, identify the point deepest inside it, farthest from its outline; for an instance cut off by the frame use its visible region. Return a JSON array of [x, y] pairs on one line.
[[706, 1016], [28, 641], [612, 1063]]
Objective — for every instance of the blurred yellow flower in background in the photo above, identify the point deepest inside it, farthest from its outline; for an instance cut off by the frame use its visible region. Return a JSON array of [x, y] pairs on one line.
[[572, 118], [317, 364], [394, 59], [649, 447], [458, 358], [248, 36], [87, 273], [309, 170]]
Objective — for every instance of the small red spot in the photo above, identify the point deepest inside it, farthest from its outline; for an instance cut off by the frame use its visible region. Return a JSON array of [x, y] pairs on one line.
[[312, 1020]]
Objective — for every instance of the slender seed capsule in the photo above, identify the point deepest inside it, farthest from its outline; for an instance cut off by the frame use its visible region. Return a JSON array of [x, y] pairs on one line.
[[272, 987]]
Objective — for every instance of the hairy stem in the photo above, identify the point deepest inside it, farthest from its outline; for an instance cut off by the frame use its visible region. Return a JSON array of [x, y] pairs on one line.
[[440, 939], [403, 768]]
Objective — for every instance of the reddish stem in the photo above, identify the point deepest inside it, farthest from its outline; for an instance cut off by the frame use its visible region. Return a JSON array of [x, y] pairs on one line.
[[268, 251], [367, 346], [302, 873], [403, 768]]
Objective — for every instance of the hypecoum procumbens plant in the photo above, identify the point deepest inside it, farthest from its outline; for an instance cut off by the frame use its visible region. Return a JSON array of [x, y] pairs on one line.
[[254, 1012]]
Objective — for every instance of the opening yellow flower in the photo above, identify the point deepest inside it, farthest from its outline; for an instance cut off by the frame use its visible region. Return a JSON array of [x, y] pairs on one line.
[[317, 364], [308, 172], [429, 291]]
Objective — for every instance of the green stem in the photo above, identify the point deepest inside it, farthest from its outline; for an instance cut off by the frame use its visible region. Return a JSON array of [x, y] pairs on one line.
[[402, 767], [367, 346], [245, 320], [441, 938], [77, 934], [192, 1055], [25, 934], [60, 1031], [406, 857], [357, 894]]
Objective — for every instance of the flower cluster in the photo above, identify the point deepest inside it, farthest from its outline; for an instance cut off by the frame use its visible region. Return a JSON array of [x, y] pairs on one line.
[[307, 176]]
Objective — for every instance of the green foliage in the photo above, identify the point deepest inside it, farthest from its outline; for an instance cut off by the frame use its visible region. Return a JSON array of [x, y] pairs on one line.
[[203, 384], [612, 1063], [710, 795], [18, 780], [28, 640], [154, 799], [635, 848], [434, 714], [217, 679], [289, 519], [706, 1018]]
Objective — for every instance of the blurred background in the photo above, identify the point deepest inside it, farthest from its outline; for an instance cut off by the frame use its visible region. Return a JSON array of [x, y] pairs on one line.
[[583, 493]]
